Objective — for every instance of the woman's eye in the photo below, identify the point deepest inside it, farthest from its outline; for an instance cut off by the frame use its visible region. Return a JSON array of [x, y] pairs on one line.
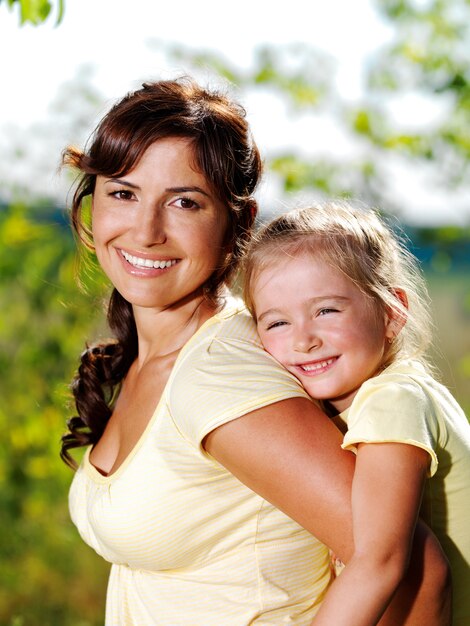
[[122, 194], [186, 203]]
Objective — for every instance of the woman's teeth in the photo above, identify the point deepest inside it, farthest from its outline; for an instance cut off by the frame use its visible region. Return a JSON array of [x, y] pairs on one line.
[[144, 263]]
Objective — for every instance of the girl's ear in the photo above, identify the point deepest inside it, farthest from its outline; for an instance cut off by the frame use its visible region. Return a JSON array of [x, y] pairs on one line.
[[395, 317]]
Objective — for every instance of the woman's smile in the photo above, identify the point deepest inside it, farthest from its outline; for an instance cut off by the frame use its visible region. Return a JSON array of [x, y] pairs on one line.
[[159, 231], [147, 263]]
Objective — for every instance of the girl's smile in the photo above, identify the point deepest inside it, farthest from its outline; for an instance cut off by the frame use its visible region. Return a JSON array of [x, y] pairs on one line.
[[316, 367], [320, 326]]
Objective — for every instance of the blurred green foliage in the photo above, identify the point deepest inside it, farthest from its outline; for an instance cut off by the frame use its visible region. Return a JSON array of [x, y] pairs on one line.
[[429, 55], [36, 11], [44, 319]]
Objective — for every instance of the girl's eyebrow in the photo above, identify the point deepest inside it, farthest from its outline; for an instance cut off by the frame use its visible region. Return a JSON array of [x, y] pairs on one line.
[[266, 313], [329, 297], [313, 301]]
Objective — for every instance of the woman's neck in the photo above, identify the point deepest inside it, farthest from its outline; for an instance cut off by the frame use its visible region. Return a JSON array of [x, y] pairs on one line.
[[164, 332]]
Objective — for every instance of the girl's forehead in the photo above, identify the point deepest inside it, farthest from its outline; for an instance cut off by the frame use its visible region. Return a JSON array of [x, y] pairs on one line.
[[285, 256], [304, 266]]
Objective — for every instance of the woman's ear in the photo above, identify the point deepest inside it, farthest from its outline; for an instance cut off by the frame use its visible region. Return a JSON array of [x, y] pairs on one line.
[[396, 316]]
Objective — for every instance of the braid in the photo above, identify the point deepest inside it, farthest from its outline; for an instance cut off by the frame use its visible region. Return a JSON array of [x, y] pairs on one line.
[[102, 367]]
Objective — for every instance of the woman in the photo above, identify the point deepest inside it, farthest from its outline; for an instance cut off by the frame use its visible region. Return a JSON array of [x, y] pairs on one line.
[[202, 449]]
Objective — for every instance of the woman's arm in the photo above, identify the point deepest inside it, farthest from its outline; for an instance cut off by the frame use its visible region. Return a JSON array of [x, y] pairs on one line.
[[425, 595], [290, 453]]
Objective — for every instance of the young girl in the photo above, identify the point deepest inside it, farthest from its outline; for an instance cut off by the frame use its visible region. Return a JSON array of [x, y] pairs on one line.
[[341, 304]]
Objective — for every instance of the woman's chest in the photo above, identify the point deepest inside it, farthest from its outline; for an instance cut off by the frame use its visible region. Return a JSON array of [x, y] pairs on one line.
[[166, 508], [138, 398]]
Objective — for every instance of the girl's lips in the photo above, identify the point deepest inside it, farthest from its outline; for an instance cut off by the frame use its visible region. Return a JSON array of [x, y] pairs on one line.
[[316, 367]]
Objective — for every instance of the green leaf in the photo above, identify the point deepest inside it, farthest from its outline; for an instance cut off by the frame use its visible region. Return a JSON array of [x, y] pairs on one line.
[[34, 11], [37, 11], [362, 123]]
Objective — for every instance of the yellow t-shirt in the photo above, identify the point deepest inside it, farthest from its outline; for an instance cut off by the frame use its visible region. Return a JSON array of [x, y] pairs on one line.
[[404, 404], [189, 544]]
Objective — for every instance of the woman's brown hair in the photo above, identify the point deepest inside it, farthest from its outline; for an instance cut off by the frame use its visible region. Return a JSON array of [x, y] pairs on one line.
[[224, 153]]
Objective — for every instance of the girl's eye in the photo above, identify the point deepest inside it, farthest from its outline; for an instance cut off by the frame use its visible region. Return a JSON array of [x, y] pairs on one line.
[[122, 194], [327, 310], [186, 203], [275, 325]]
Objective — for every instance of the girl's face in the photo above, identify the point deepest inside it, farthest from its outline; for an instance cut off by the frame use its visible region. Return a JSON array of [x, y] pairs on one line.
[[320, 326], [159, 230]]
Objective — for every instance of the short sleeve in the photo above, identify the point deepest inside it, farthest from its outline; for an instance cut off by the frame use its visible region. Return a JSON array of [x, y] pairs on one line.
[[223, 379], [393, 409]]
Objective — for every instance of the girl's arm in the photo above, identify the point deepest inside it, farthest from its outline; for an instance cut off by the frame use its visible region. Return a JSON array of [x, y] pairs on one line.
[[386, 498], [290, 453]]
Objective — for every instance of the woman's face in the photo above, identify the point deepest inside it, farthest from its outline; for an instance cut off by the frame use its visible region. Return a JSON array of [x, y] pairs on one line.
[[159, 230]]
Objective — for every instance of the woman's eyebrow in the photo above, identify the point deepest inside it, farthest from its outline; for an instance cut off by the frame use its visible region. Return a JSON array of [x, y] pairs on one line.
[[186, 189], [122, 181]]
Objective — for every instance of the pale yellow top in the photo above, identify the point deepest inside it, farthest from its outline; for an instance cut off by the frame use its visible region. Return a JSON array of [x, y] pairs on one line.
[[404, 404], [190, 545]]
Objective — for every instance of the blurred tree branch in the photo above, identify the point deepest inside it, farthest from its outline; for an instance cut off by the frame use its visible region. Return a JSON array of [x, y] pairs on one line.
[[424, 68]]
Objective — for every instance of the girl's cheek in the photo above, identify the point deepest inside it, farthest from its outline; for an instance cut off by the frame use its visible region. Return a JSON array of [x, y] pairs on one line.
[[265, 340], [275, 347]]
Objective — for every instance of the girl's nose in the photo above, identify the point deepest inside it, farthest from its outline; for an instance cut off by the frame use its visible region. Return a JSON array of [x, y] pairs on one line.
[[306, 340]]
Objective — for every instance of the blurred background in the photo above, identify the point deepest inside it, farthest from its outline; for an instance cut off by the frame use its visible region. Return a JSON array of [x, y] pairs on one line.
[[368, 100]]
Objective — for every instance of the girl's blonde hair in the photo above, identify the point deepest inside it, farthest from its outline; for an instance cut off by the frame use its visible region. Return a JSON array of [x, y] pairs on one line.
[[357, 242]]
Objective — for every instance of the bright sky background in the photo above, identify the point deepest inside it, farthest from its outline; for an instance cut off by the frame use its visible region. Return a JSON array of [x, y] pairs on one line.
[[114, 36]]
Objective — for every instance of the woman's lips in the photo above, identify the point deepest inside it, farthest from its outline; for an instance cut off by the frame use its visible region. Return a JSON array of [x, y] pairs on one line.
[[147, 263]]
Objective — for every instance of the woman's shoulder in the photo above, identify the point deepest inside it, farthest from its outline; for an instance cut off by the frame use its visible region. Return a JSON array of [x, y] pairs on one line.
[[223, 373], [226, 347], [233, 323]]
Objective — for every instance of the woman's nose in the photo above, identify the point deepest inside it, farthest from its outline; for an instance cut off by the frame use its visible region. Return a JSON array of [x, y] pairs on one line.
[[150, 228]]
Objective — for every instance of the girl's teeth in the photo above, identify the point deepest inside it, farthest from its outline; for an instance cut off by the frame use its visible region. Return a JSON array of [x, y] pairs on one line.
[[317, 366], [138, 262]]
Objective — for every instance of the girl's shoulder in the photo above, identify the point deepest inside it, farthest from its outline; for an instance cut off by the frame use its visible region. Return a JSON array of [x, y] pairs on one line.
[[409, 372]]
